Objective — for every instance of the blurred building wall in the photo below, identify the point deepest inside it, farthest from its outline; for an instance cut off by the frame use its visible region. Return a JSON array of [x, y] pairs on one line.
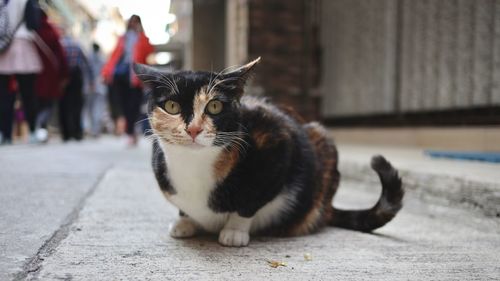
[[359, 51], [285, 34], [180, 44], [346, 59], [409, 56], [209, 36], [236, 32]]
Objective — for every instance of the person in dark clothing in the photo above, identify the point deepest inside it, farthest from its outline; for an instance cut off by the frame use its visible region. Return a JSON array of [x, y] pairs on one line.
[[7, 101], [70, 107], [51, 80], [71, 104]]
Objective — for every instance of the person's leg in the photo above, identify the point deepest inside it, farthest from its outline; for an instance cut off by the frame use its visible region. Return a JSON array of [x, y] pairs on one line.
[[78, 107], [134, 109], [113, 102], [126, 105], [87, 113], [75, 105], [44, 111], [7, 100], [64, 115], [121, 90], [66, 108], [42, 119], [97, 113], [26, 83]]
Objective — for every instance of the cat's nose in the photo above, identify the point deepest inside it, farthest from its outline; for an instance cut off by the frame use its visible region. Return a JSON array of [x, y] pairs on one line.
[[194, 131]]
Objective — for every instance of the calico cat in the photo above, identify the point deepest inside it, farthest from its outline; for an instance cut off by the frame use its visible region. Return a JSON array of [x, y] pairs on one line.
[[237, 165]]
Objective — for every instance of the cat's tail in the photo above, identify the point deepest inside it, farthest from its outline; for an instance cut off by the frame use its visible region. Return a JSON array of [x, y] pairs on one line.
[[387, 207]]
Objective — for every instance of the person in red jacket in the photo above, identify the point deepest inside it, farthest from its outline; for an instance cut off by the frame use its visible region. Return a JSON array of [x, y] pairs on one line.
[[50, 82], [132, 47]]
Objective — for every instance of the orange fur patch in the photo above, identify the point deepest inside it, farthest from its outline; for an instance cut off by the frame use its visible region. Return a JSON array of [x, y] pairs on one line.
[[309, 224], [200, 118], [290, 111], [321, 210], [165, 124], [261, 138], [226, 162], [264, 139]]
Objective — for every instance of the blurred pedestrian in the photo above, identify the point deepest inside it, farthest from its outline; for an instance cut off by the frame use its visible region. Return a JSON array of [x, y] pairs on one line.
[[19, 59], [132, 47], [71, 103], [51, 81], [115, 109], [7, 101], [95, 105]]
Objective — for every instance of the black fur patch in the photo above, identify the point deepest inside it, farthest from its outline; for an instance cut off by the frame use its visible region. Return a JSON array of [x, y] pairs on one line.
[[160, 169]]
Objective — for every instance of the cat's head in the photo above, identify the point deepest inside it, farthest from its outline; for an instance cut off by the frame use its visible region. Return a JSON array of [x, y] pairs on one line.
[[195, 109]]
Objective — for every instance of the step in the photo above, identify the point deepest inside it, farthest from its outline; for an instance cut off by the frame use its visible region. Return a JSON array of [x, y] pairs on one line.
[[470, 184]]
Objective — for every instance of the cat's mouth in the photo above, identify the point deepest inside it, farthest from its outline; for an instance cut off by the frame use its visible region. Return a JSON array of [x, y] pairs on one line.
[[195, 145]]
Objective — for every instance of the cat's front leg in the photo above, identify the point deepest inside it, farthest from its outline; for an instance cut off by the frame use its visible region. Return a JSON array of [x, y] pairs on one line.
[[236, 231], [184, 227]]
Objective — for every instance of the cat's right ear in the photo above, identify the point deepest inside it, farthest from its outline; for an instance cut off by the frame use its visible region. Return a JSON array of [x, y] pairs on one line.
[[147, 74], [236, 79]]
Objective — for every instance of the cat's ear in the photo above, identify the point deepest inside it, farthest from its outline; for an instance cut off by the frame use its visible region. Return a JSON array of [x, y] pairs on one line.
[[146, 73], [242, 71], [235, 79]]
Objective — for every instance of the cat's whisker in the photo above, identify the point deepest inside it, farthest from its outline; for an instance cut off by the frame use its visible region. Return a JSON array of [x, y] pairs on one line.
[[222, 81], [222, 72], [160, 79], [233, 140], [148, 81], [217, 75], [164, 87], [166, 84], [147, 118], [241, 149], [170, 82]]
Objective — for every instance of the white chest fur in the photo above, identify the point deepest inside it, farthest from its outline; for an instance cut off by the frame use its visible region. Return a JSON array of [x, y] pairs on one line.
[[190, 171]]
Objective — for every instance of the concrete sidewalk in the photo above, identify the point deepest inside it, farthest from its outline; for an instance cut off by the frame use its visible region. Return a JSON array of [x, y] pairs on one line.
[[114, 227]]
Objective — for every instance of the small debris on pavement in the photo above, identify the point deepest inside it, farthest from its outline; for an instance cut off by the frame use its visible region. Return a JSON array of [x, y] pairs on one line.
[[275, 264], [308, 257]]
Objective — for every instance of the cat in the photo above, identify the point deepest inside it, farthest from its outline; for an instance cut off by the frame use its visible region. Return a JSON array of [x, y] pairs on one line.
[[237, 165]]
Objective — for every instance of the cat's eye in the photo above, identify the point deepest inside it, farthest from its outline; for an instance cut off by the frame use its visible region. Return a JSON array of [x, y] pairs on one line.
[[214, 107], [172, 107]]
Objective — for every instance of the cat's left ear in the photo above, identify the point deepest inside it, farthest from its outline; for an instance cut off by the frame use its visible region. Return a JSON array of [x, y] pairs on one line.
[[237, 78]]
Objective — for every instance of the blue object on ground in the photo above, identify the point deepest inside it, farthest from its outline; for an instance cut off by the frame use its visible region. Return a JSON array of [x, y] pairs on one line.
[[493, 157]]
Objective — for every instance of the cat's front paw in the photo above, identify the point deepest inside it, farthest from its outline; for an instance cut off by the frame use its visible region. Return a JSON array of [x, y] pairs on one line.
[[234, 238], [183, 228]]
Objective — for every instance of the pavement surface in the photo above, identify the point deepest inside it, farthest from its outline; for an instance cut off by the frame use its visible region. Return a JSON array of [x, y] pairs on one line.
[[92, 211]]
